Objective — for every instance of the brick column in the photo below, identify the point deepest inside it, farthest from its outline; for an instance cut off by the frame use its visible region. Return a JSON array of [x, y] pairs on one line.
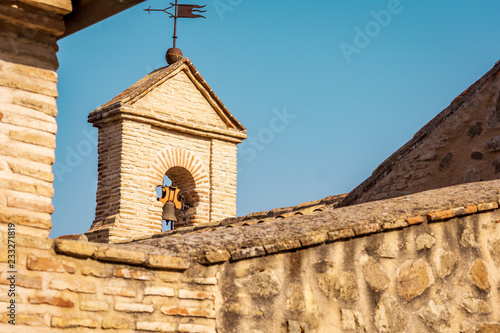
[[28, 91]]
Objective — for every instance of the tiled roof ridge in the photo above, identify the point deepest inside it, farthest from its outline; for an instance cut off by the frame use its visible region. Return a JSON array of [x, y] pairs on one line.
[[219, 244], [387, 165]]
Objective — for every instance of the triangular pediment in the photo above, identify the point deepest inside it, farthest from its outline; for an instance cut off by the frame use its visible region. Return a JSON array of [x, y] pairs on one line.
[[179, 94]]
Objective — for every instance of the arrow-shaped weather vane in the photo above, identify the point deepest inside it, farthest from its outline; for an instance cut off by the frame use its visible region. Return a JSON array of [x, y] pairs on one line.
[[181, 11]]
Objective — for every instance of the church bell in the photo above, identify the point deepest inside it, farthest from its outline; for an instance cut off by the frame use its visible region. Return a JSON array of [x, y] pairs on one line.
[[170, 200], [169, 212]]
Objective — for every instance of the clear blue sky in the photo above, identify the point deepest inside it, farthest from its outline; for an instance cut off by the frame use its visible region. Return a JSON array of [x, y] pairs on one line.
[[358, 82]]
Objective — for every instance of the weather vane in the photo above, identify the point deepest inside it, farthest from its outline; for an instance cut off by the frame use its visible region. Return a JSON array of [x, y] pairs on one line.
[[187, 11]]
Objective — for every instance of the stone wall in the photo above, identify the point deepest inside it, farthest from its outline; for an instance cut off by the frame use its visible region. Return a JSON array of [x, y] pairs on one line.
[[79, 287], [460, 145], [440, 273]]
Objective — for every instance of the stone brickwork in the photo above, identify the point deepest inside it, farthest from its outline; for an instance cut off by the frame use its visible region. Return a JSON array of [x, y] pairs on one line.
[[460, 145], [28, 91], [169, 123], [78, 286]]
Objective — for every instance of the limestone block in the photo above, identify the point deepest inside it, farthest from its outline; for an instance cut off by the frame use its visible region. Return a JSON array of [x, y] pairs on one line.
[[33, 242], [51, 300], [134, 274], [196, 294], [445, 262], [414, 277], [478, 275], [117, 322], [162, 261], [351, 319], [34, 104], [187, 312], [22, 280], [119, 291], [93, 268], [466, 327], [78, 286], [468, 239], [262, 284], [388, 250], [425, 241], [196, 328], [247, 252], [494, 247], [94, 306], [340, 234], [74, 248], [159, 291], [50, 264], [487, 206], [488, 328], [436, 317], [474, 305], [295, 298], [133, 307], [340, 284], [72, 322], [212, 257], [375, 275], [281, 246], [155, 326], [389, 317], [119, 255], [29, 319]]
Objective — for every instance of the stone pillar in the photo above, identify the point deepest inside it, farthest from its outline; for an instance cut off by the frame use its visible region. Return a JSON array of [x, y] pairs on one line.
[[28, 91]]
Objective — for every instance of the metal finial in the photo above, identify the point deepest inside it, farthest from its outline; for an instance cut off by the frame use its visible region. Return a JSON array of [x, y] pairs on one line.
[[181, 11]]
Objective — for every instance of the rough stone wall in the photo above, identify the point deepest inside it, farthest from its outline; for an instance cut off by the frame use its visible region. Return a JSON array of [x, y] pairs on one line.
[[80, 287], [28, 91], [439, 274], [460, 145]]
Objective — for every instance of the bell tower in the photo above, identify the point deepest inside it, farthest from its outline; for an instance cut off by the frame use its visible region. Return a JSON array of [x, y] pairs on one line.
[[170, 123]]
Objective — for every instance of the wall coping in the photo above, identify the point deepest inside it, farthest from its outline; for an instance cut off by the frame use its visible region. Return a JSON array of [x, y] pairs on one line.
[[219, 243]]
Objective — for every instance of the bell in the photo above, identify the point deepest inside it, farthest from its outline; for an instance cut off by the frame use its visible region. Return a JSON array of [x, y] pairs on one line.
[[169, 212]]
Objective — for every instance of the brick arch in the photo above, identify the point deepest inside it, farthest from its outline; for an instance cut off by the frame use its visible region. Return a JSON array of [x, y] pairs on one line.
[[169, 158], [177, 157]]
